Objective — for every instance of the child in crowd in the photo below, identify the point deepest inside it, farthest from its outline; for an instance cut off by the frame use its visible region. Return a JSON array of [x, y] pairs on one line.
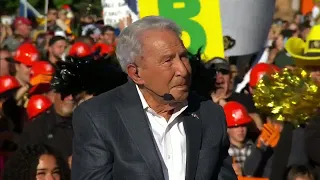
[[300, 172]]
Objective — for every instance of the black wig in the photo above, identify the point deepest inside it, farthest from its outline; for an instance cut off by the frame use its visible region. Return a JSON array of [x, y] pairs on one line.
[[76, 75]]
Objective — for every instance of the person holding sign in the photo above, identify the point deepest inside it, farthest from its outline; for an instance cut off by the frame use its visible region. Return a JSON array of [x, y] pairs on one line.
[[151, 127]]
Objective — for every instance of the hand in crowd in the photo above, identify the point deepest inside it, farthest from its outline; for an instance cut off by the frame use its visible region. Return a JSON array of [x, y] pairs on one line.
[[219, 98], [20, 94], [6, 31], [124, 22], [237, 169], [269, 136], [70, 161]]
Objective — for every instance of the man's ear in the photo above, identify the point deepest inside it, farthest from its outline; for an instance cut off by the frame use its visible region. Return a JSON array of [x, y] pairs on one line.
[[49, 49], [133, 73]]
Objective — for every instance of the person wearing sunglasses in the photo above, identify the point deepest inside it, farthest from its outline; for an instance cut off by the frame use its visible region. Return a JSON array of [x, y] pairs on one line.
[[222, 91]]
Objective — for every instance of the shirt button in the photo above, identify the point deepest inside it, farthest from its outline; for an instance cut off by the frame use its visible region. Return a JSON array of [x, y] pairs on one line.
[[169, 156]]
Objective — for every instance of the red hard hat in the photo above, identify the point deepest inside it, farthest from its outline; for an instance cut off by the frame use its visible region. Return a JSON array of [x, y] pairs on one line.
[[36, 105], [40, 68], [236, 114], [259, 70], [104, 48], [8, 83], [26, 54], [80, 49]]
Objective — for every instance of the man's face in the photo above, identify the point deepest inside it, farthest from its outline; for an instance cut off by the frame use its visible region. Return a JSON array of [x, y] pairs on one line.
[[4, 64], [279, 43], [237, 134], [305, 33], [297, 19], [109, 37], [314, 72], [223, 81], [23, 72], [24, 30], [58, 48], [52, 15], [64, 107], [294, 27], [164, 66], [88, 20]]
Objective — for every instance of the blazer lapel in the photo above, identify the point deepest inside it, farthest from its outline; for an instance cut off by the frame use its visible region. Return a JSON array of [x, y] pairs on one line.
[[136, 122], [192, 126]]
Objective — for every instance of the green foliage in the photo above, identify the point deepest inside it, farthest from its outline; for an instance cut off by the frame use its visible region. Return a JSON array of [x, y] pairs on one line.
[[33, 2], [11, 6], [59, 3]]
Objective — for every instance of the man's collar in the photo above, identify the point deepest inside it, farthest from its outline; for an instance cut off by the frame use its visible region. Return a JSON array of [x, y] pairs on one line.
[[143, 100]]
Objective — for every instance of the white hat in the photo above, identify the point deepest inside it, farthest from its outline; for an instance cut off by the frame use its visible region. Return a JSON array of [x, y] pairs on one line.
[[60, 33]]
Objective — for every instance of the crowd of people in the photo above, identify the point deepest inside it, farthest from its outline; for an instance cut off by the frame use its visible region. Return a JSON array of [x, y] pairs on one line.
[[46, 75]]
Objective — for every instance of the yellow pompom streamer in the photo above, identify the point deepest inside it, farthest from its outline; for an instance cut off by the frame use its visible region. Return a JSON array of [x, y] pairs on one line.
[[290, 95]]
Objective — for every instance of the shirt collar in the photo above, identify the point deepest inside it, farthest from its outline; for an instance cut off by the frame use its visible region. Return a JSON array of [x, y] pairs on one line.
[[143, 100]]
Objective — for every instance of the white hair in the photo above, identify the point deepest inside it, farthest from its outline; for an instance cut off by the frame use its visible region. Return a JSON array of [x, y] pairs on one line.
[[129, 46]]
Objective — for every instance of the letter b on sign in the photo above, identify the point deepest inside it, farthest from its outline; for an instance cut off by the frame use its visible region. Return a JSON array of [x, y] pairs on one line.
[[182, 13]]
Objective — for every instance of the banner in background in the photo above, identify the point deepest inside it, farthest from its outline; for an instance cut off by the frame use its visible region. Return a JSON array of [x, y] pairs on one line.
[[199, 20], [247, 22], [306, 6], [115, 10], [31, 12]]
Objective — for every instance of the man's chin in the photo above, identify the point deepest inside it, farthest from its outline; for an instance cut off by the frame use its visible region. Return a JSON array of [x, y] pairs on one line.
[[181, 97]]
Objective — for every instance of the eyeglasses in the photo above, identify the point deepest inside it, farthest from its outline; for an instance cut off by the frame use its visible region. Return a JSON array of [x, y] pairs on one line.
[[223, 71]]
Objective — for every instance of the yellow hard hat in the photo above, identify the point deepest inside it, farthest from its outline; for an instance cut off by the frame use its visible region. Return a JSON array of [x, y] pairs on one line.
[[306, 53]]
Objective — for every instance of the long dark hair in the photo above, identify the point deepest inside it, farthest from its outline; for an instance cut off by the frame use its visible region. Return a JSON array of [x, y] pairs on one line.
[[23, 164]]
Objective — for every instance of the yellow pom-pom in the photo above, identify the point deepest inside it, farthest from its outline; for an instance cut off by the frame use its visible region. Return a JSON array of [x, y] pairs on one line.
[[289, 95]]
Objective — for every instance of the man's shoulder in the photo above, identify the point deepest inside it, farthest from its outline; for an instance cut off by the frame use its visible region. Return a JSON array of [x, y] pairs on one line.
[[204, 103], [206, 107]]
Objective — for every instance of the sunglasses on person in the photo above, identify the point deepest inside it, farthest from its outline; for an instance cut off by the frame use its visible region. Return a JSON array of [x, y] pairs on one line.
[[223, 71]]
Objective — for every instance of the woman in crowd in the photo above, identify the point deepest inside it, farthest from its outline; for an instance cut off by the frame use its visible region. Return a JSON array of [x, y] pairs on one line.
[[36, 162]]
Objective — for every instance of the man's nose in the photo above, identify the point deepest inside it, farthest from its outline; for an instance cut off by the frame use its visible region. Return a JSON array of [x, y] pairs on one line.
[[219, 75], [181, 67]]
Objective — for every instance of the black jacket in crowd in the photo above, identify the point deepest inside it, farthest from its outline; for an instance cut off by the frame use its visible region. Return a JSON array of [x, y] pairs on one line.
[[51, 129]]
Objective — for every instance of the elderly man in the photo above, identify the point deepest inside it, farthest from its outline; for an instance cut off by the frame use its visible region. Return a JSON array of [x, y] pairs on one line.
[[151, 128]]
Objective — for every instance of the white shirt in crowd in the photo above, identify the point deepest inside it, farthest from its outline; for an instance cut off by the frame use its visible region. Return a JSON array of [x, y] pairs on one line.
[[170, 138], [315, 12]]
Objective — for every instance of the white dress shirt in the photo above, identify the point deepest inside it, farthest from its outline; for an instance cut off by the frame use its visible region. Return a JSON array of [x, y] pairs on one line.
[[170, 138]]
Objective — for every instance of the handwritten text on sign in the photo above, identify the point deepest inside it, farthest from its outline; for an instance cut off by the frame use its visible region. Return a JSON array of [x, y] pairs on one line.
[[199, 19]]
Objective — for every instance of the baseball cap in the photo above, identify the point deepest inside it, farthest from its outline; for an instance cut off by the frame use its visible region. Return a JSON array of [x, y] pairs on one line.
[[21, 20], [218, 63]]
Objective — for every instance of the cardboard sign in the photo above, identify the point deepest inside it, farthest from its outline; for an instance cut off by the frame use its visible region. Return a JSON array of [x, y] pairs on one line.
[[199, 20], [115, 10]]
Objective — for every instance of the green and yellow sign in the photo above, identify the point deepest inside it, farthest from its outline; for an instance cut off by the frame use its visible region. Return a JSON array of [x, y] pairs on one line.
[[199, 19]]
